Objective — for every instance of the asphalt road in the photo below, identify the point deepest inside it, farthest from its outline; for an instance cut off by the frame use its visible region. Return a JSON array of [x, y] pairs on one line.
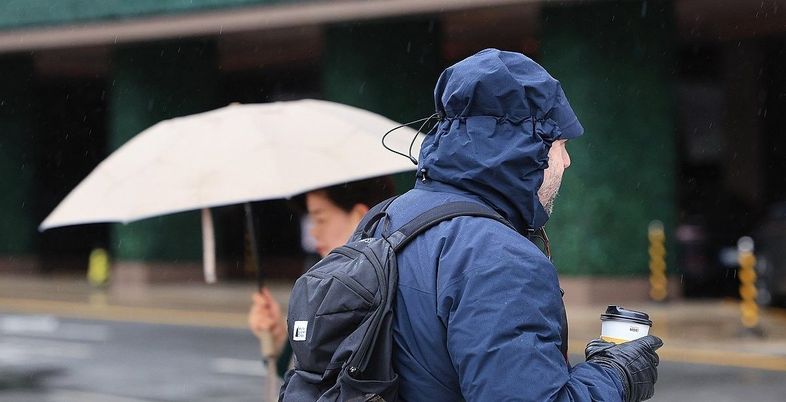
[[46, 358], [51, 359], [700, 383]]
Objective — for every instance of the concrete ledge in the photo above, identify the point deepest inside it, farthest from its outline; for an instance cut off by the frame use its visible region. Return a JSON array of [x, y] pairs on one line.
[[581, 290], [14, 264], [273, 267]]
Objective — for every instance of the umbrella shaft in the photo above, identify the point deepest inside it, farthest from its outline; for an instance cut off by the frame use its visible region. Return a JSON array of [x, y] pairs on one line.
[[252, 239], [208, 246]]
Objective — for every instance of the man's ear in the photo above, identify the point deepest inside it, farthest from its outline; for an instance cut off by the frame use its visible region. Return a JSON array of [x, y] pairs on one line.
[[358, 211]]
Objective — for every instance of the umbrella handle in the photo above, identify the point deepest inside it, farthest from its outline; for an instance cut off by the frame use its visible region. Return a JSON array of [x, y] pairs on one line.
[[268, 350], [273, 384], [266, 345]]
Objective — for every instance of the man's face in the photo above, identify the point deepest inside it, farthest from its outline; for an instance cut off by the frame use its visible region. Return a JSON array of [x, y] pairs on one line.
[[559, 160], [331, 226]]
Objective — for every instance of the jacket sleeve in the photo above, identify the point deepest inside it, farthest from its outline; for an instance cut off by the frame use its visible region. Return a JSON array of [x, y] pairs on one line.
[[503, 320]]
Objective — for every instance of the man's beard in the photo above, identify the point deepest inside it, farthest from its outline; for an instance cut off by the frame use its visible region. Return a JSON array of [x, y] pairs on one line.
[[549, 205], [548, 193]]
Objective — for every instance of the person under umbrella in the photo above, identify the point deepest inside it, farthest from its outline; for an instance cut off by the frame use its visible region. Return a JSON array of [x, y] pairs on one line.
[[333, 213]]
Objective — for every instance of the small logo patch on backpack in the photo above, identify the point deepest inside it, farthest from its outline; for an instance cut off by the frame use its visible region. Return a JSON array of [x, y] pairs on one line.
[[299, 331]]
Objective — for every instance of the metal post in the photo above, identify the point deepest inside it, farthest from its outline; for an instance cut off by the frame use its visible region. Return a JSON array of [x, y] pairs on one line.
[[657, 251], [98, 268], [98, 272], [749, 309]]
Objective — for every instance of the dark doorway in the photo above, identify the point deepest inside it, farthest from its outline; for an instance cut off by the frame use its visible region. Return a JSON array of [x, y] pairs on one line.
[[70, 142]]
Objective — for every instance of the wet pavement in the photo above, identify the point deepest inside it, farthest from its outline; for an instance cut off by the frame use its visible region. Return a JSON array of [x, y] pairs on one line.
[[164, 330], [46, 358]]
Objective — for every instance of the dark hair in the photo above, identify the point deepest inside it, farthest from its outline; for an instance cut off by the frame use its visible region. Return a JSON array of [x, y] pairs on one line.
[[368, 192]]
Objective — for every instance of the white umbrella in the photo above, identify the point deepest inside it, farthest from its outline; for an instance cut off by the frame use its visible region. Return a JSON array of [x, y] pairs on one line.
[[236, 154], [231, 155]]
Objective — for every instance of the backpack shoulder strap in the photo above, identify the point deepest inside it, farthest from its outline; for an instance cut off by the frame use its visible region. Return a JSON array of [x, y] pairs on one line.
[[432, 217]]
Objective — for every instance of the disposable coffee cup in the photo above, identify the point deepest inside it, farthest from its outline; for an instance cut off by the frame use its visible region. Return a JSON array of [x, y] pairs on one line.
[[619, 325]]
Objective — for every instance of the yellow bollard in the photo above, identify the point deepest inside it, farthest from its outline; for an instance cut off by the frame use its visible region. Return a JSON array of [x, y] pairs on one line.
[[749, 309], [98, 267], [657, 250]]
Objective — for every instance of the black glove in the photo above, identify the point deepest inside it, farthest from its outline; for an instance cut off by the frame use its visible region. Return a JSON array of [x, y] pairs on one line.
[[636, 361]]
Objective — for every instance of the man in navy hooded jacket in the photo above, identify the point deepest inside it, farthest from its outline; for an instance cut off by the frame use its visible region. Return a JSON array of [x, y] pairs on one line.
[[479, 314]]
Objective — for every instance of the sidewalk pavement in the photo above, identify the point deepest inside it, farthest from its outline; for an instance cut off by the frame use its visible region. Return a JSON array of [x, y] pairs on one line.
[[700, 332]]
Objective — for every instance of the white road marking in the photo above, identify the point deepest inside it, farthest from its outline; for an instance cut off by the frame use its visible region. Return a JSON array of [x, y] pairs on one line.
[[20, 350], [51, 327], [81, 396], [28, 323], [239, 367]]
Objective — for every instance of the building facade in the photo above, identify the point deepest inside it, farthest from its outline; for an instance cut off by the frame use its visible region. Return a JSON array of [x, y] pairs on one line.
[[682, 103]]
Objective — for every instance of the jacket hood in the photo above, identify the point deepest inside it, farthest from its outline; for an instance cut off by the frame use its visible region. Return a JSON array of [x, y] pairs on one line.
[[499, 114]]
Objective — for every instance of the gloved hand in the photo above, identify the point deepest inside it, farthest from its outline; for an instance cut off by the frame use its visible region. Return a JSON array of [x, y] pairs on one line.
[[636, 361]]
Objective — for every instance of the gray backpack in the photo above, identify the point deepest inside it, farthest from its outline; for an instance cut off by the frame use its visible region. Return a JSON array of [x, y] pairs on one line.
[[341, 312]]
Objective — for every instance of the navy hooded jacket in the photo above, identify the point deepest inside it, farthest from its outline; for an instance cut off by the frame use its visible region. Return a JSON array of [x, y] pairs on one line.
[[479, 313]]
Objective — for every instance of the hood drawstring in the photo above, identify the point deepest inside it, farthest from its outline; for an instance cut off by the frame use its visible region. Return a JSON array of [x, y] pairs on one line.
[[423, 173], [425, 121]]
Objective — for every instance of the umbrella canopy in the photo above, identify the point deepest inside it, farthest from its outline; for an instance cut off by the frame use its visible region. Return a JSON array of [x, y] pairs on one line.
[[232, 155]]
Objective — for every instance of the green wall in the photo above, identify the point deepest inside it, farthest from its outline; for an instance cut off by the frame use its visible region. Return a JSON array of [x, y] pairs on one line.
[[150, 84], [614, 60], [27, 13], [387, 67], [17, 224]]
